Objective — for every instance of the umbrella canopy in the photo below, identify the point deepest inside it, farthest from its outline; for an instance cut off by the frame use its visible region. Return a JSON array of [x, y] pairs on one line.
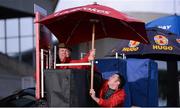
[[170, 23], [162, 43], [74, 25]]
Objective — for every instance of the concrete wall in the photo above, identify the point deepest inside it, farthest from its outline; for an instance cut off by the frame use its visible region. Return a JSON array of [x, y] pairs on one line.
[[14, 76], [28, 5], [9, 84]]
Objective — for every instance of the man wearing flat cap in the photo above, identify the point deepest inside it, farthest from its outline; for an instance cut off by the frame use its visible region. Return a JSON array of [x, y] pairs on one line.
[[64, 53]]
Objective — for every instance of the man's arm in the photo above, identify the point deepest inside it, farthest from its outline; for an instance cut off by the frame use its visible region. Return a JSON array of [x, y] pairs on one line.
[[93, 95]]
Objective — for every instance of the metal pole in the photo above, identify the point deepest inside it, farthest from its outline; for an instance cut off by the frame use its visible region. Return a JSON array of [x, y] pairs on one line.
[[116, 55], [49, 58], [42, 73], [54, 57], [74, 64], [124, 56], [5, 36], [37, 56], [19, 39], [46, 58], [33, 53]]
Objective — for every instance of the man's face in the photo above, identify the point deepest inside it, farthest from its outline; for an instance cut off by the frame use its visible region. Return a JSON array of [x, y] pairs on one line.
[[114, 80], [63, 53]]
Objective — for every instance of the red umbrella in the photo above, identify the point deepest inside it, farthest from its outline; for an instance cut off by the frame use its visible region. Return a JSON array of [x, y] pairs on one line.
[[80, 24], [73, 25]]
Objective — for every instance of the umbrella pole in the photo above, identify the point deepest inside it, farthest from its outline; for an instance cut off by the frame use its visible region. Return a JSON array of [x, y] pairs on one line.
[[92, 62]]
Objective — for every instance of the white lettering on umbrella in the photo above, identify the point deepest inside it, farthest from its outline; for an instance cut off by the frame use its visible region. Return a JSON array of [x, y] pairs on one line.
[[165, 27], [68, 11], [84, 8], [96, 10]]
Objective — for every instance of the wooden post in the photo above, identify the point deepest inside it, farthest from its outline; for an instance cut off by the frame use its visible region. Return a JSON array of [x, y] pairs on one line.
[[92, 62]]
